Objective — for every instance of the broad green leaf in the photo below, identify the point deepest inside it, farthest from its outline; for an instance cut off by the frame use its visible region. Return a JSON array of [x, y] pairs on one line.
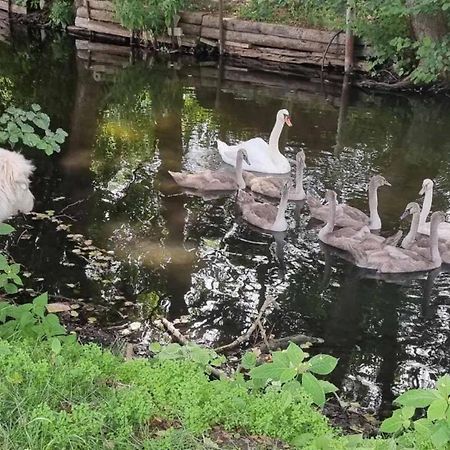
[[328, 387], [391, 425], [423, 427], [155, 347], [275, 372], [6, 229], [295, 354], [249, 360], [441, 436], [443, 385], [56, 346], [10, 288], [41, 300], [313, 387], [408, 411], [437, 409], [419, 398], [322, 364]]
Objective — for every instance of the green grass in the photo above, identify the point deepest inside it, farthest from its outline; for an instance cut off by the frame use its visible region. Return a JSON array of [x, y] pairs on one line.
[[88, 398]]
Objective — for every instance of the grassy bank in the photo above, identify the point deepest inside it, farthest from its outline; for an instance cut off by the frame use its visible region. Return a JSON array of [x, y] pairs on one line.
[[84, 397]]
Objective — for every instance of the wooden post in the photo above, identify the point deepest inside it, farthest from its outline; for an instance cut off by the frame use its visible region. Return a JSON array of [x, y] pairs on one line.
[[221, 29], [349, 41]]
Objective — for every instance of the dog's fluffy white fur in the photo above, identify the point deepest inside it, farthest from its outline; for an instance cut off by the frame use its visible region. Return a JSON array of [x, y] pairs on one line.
[[15, 194]]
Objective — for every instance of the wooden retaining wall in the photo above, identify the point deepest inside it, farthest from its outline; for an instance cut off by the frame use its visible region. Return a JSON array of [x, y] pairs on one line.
[[261, 41], [11, 7]]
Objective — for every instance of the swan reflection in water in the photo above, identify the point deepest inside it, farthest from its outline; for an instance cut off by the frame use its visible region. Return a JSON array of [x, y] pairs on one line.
[[15, 194]]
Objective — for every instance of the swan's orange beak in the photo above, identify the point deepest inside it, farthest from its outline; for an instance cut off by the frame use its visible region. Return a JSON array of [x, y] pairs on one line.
[[287, 121]]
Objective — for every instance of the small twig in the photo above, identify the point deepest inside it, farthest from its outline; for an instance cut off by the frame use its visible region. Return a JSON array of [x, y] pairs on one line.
[[328, 48], [72, 204], [263, 334], [245, 337], [170, 327]]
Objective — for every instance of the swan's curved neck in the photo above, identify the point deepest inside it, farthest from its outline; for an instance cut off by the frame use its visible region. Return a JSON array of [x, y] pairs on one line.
[[375, 221], [426, 207], [280, 218], [410, 238], [239, 178], [299, 179], [275, 135], [434, 241], [329, 226]]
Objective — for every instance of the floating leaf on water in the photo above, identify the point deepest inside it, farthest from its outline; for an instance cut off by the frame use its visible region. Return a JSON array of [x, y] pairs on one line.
[[88, 242], [74, 313], [70, 285], [92, 319], [77, 251], [134, 326], [75, 306]]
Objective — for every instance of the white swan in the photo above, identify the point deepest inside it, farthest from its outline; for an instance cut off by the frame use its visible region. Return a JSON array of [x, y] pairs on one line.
[[15, 195], [424, 226], [263, 157], [272, 186]]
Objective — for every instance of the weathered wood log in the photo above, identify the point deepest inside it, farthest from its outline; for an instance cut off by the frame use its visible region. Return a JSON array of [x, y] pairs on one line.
[[271, 41], [192, 17], [102, 5], [16, 9], [96, 14], [102, 27], [270, 29]]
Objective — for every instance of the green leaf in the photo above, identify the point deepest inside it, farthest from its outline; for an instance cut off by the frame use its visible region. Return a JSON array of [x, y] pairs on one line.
[[437, 409], [35, 107], [155, 347], [419, 398], [441, 436], [328, 387], [423, 427], [392, 424], [249, 360], [56, 346], [41, 301], [295, 354], [408, 411], [443, 385], [6, 229], [313, 387], [275, 372], [322, 364], [10, 288]]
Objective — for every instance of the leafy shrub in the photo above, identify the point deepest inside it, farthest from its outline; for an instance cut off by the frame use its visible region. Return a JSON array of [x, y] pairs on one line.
[[430, 431], [147, 15], [61, 13], [32, 128], [290, 364]]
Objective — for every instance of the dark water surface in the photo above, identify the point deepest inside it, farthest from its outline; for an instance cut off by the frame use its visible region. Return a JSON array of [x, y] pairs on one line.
[[130, 121]]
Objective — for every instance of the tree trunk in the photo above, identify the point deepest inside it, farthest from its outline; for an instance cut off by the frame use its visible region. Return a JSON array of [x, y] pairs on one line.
[[435, 26]]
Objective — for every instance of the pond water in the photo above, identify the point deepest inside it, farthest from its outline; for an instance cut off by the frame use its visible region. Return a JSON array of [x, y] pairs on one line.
[[130, 120]]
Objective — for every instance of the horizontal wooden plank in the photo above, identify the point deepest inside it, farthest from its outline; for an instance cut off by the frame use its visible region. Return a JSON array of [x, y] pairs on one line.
[[16, 9], [102, 5], [102, 27], [275, 30], [272, 41], [191, 17]]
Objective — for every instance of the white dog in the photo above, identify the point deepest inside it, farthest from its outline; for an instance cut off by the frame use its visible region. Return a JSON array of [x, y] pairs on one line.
[[15, 195]]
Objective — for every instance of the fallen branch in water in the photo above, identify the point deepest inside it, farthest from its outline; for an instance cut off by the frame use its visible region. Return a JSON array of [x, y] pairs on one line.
[[245, 337], [284, 342], [166, 325]]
